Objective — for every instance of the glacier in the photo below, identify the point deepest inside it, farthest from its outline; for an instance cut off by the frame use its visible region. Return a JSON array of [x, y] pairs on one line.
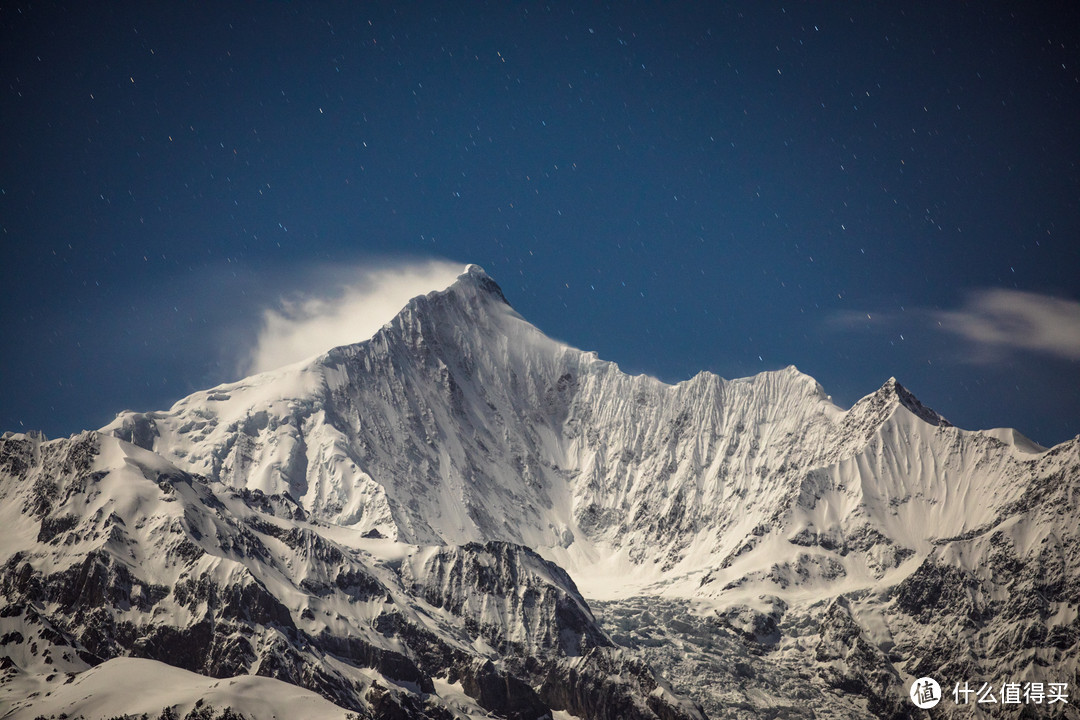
[[460, 516]]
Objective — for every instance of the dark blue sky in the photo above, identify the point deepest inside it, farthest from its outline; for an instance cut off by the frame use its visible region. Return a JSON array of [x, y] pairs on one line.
[[857, 189]]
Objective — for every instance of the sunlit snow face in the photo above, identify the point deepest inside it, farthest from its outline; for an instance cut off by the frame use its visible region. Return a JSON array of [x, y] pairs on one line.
[[339, 307]]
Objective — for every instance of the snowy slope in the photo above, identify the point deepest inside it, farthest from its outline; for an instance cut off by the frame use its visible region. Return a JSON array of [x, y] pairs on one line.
[[460, 422], [93, 694], [109, 551], [438, 499]]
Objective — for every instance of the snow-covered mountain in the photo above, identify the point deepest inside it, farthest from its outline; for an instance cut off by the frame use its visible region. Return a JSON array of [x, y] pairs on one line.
[[461, 515]]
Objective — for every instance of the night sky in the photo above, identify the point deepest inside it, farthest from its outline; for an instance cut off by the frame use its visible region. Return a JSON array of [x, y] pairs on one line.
[[861, 190]]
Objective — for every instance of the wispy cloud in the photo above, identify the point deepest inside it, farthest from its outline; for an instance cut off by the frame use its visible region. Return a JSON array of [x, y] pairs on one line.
[[338, 306], [990, 324], [999, 319]]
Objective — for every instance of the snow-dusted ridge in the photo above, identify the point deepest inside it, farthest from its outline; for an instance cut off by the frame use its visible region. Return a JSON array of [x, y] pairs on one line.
[[419, 518]]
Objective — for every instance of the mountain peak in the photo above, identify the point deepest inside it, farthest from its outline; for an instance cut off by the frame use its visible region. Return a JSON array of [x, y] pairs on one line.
[[892, 387], [477, 279], [868, 414]]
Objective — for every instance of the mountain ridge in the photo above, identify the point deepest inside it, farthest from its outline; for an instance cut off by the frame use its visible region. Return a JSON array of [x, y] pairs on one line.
[[447, 501]]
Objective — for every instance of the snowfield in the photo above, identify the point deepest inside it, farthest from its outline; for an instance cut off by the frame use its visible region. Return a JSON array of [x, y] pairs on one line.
[[460, 517]]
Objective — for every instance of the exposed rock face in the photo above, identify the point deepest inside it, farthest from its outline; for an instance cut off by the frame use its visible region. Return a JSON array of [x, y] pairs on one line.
[[508, 595], [211, 580], [396, 524]]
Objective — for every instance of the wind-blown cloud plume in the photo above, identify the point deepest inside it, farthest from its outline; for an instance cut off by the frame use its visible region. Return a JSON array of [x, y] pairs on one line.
[[341, 307], [999, 319]]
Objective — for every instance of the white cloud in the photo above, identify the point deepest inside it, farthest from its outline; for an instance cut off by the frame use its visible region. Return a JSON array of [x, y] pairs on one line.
[[998, 319], [341, 306]]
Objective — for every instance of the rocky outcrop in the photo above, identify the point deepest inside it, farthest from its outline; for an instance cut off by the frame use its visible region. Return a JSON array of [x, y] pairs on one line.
[[374, 525]]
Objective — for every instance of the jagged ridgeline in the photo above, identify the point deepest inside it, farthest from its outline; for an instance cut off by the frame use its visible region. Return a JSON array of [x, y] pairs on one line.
[[461, 517]]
